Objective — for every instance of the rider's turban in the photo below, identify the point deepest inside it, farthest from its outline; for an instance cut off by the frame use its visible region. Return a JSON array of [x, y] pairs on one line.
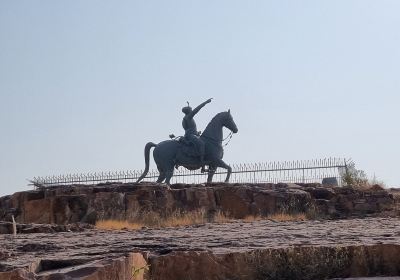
[[186, 110]]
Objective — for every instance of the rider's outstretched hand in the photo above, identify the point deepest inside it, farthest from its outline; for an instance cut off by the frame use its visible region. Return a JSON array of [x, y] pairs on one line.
[[209, 100]]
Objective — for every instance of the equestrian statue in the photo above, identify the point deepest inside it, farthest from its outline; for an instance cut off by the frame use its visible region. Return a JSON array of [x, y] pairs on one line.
[[194, 150]]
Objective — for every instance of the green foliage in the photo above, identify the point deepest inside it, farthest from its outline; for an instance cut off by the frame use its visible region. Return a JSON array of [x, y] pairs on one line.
[[354, 176]]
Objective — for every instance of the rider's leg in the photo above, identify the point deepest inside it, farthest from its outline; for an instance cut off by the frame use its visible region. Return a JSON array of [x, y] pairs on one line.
[[202, 150]]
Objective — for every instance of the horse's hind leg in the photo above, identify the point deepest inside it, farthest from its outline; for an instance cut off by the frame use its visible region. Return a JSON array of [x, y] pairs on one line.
[[169, 173], [161, 177]]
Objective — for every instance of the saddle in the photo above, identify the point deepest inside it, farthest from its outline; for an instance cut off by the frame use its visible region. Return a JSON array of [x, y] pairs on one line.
[[187, 147]]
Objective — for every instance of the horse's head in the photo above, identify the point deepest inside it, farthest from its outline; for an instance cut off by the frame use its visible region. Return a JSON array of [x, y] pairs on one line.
[[228, 121], [214, 127]]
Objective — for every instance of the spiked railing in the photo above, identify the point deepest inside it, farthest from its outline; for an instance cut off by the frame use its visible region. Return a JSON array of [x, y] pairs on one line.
[[301, 171]]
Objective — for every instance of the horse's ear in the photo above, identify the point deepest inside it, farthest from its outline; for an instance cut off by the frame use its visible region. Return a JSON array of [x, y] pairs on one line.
[[229, 111]]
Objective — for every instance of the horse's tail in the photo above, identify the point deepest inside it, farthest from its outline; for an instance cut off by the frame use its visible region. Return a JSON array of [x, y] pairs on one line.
[[146, 159]]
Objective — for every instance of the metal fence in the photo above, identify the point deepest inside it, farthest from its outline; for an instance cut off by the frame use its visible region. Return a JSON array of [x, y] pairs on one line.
[[301, 171]]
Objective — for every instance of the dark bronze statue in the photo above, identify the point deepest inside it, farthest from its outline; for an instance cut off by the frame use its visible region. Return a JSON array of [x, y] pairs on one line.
[[193, 151]]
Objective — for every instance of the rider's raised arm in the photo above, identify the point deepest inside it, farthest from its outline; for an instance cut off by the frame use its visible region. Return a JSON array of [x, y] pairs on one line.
[[198, 108]]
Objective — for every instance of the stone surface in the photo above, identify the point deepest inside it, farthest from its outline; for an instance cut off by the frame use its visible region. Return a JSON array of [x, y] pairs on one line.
[[81, 203], [369, 278], [304, 262], [131, 266], [7, 228], [258, 250]]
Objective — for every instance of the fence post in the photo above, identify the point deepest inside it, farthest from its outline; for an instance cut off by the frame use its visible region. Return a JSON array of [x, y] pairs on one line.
[[14, 226]]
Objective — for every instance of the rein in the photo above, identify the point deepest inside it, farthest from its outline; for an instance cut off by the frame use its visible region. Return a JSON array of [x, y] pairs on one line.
[[230, 135], [230, 138]]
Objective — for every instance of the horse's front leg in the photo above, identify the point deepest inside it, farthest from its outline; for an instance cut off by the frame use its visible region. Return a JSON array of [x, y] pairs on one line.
[[211, 172], [222, 164]]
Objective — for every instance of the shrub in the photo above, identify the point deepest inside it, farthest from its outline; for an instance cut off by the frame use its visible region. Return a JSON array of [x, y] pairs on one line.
[[354, 176]]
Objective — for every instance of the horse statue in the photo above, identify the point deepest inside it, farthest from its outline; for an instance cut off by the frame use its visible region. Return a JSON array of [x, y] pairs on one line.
[[172, 153]]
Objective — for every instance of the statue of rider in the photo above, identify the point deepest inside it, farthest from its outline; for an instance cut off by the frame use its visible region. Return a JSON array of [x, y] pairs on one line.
[[191, 133]]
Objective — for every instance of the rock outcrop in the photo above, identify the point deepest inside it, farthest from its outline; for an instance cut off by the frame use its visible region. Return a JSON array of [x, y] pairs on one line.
[[7, 228], [87, 203], [237, 250], [283, 263], [131, 266]]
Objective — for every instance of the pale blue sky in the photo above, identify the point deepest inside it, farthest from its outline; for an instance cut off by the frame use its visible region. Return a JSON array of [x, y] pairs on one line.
[[85, 84]]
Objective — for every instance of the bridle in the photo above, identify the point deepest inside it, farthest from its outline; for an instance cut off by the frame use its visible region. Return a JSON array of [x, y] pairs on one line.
[[230, 135]]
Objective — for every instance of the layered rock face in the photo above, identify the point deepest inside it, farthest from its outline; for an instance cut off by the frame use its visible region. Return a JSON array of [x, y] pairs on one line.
[[302, 263], [238, 250], [285, 263], [88, 203]]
